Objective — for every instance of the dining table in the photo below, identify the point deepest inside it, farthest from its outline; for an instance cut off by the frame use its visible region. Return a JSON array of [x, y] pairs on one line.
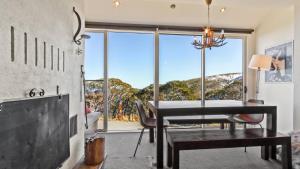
[[163, 109]]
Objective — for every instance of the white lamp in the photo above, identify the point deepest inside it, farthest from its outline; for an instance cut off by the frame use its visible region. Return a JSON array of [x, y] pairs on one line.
[[260, 62]]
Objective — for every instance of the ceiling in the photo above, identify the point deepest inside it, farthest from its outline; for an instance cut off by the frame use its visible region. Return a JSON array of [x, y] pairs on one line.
[[238, 14]]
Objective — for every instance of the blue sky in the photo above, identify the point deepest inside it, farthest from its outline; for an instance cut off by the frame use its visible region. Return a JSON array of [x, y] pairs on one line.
[[131, 58]]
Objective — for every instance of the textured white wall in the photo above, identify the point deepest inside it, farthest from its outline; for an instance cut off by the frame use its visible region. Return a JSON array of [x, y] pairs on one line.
[[54, 22], [251, 43], [297, 67], [277, 28]]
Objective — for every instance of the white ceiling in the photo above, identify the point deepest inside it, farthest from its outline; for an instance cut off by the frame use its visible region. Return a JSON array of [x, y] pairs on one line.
[[238, 14]]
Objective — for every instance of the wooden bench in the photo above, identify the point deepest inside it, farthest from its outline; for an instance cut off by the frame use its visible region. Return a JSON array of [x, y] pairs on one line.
[[211, 139], [195, 120]]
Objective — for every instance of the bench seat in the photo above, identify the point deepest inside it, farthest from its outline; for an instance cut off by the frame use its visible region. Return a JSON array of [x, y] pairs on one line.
[[211, 139], [208, 119]]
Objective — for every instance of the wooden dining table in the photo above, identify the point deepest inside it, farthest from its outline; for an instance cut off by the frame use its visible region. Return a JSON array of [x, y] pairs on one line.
[[162, 109]]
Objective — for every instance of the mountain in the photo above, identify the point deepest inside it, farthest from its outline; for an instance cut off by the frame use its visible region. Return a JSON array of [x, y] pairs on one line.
[[122, 95], [217, 85]]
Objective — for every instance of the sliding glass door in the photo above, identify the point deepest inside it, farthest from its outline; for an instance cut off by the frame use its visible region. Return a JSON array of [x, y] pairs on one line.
[[130, 73], [179, 68], [93, 64]]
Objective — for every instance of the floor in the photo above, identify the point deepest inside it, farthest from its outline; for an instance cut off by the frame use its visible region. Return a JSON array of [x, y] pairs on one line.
[[120, 148], [116, 126]]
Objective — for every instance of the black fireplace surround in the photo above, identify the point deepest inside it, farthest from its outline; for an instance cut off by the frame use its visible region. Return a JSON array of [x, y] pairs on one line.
[[34, 133]]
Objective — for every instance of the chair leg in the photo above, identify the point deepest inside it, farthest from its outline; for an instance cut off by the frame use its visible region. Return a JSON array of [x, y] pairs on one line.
[[139, 141]]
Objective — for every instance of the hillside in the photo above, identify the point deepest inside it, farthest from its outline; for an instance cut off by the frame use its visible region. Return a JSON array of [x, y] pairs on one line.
[[122, 95]]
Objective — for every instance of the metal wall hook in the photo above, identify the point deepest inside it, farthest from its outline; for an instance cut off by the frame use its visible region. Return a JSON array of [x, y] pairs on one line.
[[36, 92], [78, 29], [58, 92], [83, 36]]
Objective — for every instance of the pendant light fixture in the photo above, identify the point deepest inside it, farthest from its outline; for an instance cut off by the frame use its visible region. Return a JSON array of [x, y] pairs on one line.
[[209, 39]]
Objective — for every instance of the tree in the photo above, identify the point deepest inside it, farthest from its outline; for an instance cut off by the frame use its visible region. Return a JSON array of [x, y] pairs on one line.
[[122, 96]]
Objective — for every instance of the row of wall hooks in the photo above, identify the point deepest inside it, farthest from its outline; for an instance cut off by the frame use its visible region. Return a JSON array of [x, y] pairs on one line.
[[60, 55]]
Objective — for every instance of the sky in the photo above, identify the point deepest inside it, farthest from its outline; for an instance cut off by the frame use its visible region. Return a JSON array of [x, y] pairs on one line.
[[131, 58]]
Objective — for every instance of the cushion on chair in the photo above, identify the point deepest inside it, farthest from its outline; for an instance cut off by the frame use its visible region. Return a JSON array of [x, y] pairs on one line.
[[248, 118]]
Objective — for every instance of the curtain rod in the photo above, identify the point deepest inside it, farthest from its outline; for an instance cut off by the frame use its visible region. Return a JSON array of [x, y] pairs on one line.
[[145, 27]]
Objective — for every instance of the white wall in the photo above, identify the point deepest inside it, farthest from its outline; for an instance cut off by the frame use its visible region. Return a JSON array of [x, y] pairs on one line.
[[297, 68], [250, 78], [277, 28], [51, 21]]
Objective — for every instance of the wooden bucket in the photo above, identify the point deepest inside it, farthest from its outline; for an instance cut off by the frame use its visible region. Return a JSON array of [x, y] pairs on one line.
[[94, 150]]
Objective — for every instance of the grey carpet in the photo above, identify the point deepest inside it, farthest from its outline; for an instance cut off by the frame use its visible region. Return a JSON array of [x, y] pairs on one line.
[[120, 148]]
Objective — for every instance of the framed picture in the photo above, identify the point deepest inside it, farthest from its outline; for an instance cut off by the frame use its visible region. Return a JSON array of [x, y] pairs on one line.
[[282, 63]]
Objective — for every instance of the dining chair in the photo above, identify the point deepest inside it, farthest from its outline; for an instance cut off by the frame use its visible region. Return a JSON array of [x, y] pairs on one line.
[[145, 121], [251, 119]]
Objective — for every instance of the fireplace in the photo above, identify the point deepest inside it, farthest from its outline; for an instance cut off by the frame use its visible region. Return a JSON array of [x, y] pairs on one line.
[[34, 133]]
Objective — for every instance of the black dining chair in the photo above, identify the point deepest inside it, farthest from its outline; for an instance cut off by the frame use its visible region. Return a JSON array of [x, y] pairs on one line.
[[251, 119], [145, 121]]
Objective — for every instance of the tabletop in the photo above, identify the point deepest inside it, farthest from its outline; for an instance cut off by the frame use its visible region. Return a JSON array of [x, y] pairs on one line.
[[210, 107], [198, 104]]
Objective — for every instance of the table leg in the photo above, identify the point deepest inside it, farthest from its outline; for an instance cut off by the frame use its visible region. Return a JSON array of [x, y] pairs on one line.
[[232, 126], [272, 126], [151, 131], [265, 152], [175, 158], [222, 126], [286, 156], [159, 141], [151, 135], [170, 156]]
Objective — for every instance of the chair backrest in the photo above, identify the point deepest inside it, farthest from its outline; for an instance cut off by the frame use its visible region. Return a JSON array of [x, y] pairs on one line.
[[253, 118], [142, 113]]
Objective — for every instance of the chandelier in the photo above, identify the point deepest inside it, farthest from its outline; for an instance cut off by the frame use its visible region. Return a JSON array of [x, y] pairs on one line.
[[209, 40], [116, 3]]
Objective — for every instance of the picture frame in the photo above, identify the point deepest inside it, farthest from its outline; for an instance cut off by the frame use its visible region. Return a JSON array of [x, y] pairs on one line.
[[281, 70]]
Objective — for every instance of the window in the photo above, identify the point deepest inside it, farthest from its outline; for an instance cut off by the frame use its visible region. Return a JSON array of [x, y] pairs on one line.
[[179, 69], [224, 71], [131, 73]]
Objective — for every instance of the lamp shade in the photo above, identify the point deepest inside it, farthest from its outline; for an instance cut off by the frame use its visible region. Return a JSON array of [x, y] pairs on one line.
[[261, 62]]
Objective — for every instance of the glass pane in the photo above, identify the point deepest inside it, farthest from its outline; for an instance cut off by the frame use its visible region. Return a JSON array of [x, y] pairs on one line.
[[131, 71], [94, 56], [180, 68], [224, 71]]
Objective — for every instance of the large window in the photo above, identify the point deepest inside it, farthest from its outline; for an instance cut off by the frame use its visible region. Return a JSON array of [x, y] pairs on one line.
[[179, 69], [130, 72], [224, 71]]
